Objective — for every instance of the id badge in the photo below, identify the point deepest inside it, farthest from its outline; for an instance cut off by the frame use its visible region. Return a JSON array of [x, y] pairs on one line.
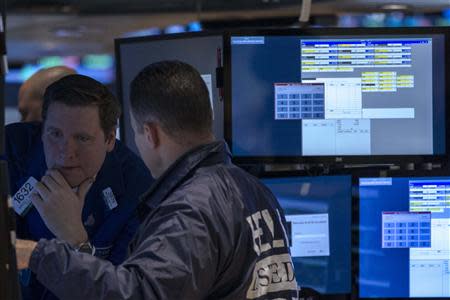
[[22, 198], [109, 198]]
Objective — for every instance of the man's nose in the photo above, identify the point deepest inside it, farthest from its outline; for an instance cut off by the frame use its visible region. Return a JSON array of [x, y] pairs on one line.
[[68, 150]]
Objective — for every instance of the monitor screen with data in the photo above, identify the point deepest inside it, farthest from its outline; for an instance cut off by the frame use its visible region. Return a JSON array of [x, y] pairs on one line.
[[318, 215], [404, 239], [337, 93]]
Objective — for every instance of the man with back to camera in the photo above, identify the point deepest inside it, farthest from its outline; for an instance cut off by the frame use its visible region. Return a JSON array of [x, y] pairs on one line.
[[31, 92], [75, 147], [209, 230]]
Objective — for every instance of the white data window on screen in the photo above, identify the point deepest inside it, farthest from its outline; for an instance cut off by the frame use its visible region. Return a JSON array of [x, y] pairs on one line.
[[429, 278], [336, 137], [310, 235], [343, 97]]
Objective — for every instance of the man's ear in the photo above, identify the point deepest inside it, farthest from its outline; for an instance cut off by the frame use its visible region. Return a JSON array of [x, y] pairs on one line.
[[151, 135], [111, 140]]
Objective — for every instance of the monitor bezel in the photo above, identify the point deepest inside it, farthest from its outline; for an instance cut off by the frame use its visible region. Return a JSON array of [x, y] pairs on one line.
[[334, 159], [356, 176]]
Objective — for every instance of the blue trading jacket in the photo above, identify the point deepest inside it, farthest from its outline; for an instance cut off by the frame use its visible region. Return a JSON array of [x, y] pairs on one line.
[[109, 230]]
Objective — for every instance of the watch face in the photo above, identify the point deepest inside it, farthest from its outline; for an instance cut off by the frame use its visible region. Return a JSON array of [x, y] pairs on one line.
[[86, 248]]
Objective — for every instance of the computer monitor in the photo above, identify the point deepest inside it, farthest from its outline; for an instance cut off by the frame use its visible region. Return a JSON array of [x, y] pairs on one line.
[[318, 215], [404, 237], [200, 49], [337, 95]]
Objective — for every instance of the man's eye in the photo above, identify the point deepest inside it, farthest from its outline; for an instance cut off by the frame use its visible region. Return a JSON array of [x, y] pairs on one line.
[[55, 134], [83, 139]]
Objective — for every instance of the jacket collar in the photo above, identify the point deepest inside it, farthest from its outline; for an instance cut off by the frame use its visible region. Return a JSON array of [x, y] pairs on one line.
[[35, 159], [111, 174], [36, 162], [183, 168]]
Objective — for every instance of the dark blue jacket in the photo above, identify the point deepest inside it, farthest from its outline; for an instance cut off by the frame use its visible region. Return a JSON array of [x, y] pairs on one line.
[[210, 231], [109, 231]]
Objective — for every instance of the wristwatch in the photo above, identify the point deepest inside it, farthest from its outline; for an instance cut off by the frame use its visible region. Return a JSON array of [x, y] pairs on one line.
[[86, 247]]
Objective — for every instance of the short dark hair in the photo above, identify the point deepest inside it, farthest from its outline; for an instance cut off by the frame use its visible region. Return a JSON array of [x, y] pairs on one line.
[[173, 94], [80, 90]]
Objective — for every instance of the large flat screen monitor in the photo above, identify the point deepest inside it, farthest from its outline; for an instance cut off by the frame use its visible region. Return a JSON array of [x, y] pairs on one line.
[[337, 95], [404, 237], [201, 50], [318, 212]]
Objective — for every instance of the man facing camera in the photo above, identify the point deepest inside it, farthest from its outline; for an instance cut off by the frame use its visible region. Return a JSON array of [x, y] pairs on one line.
[[88, 181], [209, 230]]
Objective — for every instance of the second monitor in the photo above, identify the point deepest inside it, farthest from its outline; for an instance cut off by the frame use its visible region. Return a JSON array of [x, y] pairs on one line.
[[318, 212]]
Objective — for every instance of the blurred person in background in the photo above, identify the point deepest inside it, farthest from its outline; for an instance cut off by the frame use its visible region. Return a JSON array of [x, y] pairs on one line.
[[31, 92]]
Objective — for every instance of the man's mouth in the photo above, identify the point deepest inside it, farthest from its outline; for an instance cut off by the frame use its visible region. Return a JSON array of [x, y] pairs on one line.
[[67, 168]]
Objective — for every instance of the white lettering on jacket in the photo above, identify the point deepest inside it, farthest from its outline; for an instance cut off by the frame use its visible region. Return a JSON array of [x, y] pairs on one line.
[[259, 234]]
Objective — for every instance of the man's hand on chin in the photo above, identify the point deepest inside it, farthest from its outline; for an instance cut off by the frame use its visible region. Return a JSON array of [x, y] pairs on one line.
[[24, 248], [60, 207]]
